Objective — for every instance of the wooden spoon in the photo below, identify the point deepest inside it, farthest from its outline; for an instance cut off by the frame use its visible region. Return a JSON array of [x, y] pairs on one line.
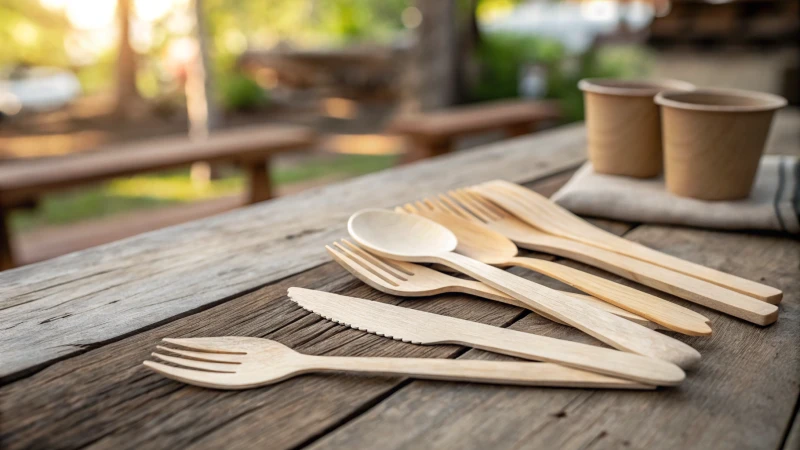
[[416, 239]]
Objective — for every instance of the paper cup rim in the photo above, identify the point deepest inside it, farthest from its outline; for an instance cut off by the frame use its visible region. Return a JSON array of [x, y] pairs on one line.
[[679, 100], [632, 87]]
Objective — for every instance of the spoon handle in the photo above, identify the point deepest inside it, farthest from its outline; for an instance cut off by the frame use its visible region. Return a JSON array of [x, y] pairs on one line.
[[658, 310], [495, 372], [479, 289], [614, 331]]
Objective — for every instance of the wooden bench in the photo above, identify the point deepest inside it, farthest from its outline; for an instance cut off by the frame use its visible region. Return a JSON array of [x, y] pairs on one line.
[[434, 133], [22, 183]]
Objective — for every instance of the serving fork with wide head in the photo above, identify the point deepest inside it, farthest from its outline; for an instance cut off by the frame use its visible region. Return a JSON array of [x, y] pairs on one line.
[[547, 216], [538, 230]]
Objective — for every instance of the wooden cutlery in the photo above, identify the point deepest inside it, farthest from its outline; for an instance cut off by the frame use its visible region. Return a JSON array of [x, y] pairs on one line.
[[247, 362], [547, 216], [412, 280], [478, 242], [416, 239], [676, 283], [424, 328]]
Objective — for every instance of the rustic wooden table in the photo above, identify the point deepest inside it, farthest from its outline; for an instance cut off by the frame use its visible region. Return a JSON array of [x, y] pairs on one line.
[[74, 331]]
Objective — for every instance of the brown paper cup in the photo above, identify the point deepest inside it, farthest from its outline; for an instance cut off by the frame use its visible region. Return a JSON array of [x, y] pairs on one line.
[[714, 139], [623, 125]]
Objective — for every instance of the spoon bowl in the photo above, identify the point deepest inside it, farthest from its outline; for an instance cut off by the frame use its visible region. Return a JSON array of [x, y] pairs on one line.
[[475, 241], [400, 236]]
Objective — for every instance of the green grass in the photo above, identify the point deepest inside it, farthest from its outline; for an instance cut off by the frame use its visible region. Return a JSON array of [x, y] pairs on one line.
[[175, 187]]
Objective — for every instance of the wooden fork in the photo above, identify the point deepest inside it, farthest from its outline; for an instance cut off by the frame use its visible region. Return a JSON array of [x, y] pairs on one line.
[[247, 362], [497, 215], [406, 279], [551, 218]]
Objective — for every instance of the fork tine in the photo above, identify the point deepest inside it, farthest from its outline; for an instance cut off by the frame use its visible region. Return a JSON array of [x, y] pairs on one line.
[[436, 205], [466, 203], [366, 261], [362, 272], [378, 259], [486, 203], [358, 262], [455, 208], [189, 376], [204, 356], [213, 344], [421, 206], [373, 260], [476, 204], [409, 208], [195, 364]]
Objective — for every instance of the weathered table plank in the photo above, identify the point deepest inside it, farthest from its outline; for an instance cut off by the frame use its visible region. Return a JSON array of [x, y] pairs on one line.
[[62, 307], [106, 398], [743, 395], [740, 396]]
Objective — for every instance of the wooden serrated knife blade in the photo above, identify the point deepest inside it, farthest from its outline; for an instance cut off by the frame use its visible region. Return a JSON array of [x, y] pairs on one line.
[[424, 328]]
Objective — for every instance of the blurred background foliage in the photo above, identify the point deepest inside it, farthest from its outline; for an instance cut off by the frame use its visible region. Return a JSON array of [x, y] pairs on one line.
[[32, 34], [80, 36], [501, 55]]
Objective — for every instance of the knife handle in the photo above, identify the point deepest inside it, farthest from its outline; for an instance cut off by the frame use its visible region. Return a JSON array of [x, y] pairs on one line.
[[495, 372], [614, 331]]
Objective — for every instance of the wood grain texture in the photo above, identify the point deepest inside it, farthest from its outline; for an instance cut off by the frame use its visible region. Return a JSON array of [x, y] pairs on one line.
[[105, 398], [101, 400], [62, 307], [742, 395]]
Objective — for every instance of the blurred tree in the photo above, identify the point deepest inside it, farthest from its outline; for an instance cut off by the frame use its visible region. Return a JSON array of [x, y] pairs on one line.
[[202, 106], [126, 97], [31, 34], [434, 56]]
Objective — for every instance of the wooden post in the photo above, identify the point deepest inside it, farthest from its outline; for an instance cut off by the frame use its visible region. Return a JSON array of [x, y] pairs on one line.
[[425, 147], [6, 252], [520, 129], [126, 95], [260, 181]]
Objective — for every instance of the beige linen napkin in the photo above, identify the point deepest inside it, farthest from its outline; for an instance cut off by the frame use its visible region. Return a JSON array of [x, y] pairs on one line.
[[773, 204]]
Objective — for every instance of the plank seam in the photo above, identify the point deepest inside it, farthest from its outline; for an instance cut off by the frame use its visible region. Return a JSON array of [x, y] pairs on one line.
[[791, 426]]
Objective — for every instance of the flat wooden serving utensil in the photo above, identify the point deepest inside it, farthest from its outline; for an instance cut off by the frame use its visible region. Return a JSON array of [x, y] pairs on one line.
[[547, 216], [695, 290], [416, 239]]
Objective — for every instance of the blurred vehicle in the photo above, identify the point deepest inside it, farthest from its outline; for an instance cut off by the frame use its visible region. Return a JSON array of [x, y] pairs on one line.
[[29, 89]]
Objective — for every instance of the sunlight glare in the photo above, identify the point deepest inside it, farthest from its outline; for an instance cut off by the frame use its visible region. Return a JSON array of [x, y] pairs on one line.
[[153, 10], [53, 5], [91, 14]]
